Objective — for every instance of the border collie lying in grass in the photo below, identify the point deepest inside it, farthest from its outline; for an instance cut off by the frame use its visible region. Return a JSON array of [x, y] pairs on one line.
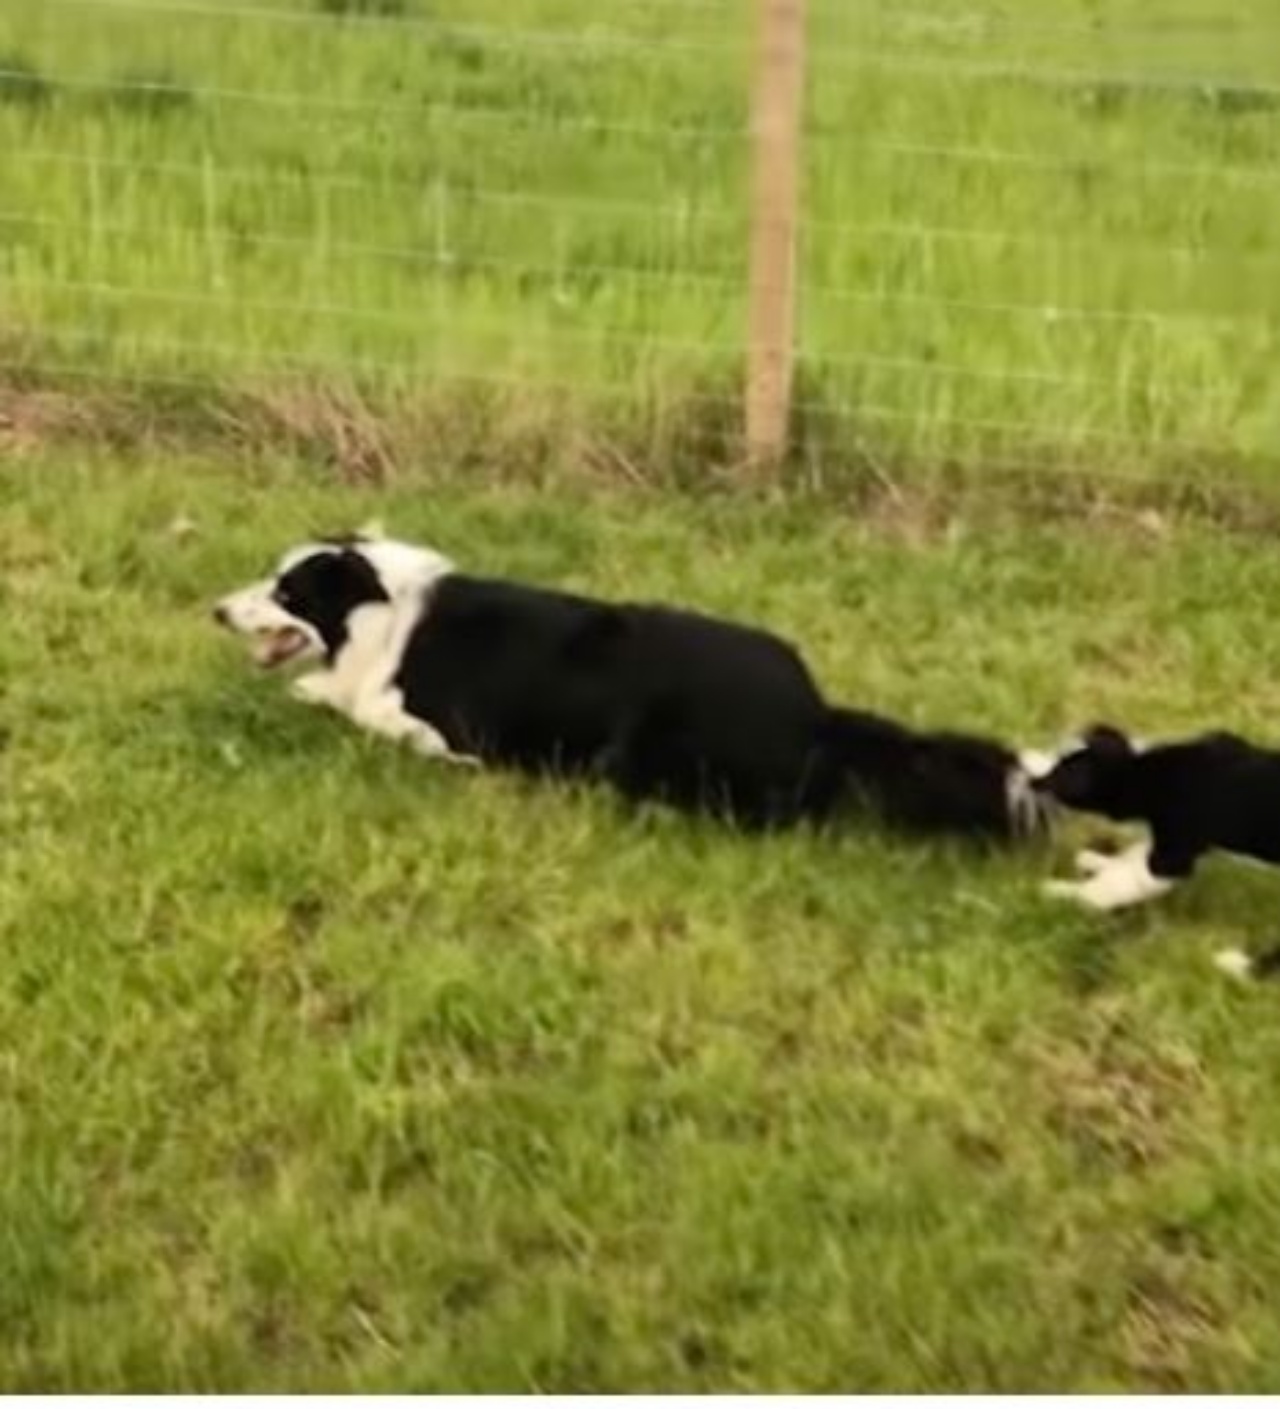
[[1215, 792], [666, 705]]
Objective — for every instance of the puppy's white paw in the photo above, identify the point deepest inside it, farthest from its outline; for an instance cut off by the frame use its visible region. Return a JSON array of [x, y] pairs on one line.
[[1234, 962], [1092, 863]]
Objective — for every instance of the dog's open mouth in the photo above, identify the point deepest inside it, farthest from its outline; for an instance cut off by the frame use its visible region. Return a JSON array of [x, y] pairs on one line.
[[277, 644]]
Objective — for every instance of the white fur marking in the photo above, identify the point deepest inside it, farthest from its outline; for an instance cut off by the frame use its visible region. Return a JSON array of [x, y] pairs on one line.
[[1122, 881], [1234, 962], [315, 688], [359, 684], [404, 569], [1029, 811], [1037, 763], [385, 714]]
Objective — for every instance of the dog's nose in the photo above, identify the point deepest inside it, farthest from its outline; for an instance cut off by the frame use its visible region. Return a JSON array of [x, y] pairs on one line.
[[221, 615]]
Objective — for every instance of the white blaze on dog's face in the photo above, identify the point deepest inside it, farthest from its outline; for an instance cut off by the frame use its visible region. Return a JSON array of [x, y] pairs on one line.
[[262, 611], [302, 611]]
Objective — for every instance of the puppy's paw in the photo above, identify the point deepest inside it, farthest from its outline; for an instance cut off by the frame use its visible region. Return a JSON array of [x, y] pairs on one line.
[[1091, 862], [1235, 963]]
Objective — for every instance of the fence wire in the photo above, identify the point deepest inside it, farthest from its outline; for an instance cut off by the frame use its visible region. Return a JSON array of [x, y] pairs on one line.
[[1029, 234]]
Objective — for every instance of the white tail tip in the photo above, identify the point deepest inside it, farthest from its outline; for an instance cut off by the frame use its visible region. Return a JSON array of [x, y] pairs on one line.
[[1037, 763]]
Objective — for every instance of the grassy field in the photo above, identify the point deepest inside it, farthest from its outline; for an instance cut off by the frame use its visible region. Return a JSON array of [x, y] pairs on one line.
[[1040, 237], [323, 1068]]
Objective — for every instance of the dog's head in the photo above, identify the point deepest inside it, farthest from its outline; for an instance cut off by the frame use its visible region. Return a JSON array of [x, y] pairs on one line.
[[304, 609], [1094, 774]]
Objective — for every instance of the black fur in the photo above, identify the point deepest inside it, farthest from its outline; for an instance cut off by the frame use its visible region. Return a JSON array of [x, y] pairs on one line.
[[677, 707], [325, 589], [1266, 965], [1215, 792]]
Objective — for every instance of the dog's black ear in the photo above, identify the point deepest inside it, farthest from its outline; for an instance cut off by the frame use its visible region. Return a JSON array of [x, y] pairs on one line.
[[1106, 741], [1076, 779], [1091, 777]]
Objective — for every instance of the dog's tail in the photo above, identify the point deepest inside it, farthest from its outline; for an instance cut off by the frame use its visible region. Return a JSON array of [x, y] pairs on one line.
[[935, 782]]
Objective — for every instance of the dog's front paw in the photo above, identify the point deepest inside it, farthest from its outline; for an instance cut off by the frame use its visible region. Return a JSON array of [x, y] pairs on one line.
[[1091, 862], [314, 689], [431, 744]]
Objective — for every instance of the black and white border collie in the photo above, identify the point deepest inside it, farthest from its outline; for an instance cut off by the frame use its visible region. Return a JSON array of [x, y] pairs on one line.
[[1214, 792], [666, 705]]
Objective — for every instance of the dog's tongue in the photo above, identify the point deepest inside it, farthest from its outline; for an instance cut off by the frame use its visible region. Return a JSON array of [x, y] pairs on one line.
[[274, 647]]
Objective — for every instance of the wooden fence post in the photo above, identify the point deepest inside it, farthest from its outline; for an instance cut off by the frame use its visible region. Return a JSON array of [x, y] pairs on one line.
[[777, 115]]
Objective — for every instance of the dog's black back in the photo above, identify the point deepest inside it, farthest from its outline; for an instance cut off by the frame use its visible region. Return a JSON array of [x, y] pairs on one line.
[[679, 707], [666, 703]]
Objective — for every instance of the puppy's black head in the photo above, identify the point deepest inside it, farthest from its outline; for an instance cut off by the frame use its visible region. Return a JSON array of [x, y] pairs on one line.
[[323, 590], [1096, 776]]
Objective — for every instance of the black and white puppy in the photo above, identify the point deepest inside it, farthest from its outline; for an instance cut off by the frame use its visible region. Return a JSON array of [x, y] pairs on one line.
[[1214, 792], [664, 704]]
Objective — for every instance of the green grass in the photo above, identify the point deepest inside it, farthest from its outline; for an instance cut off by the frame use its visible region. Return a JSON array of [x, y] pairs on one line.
[[462, 210], [324, 1068]]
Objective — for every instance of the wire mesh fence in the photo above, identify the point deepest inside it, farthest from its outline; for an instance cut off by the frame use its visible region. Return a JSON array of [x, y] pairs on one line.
[[1034, 236]]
